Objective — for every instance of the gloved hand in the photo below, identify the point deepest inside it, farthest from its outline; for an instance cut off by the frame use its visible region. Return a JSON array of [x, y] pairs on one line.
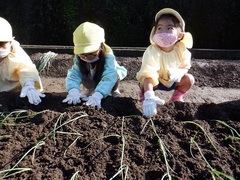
[[33, 95], [175, 74], [95, 100], [150, 104], [74, 97]]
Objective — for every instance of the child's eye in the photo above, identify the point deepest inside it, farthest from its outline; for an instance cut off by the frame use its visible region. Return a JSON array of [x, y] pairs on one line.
[[170, 28]]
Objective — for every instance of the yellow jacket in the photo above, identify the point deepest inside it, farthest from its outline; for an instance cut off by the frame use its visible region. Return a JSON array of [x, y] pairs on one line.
[[16, 69], [155, 62]]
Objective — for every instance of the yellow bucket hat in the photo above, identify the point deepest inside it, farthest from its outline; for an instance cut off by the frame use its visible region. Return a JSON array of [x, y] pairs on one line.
[[87, 38]]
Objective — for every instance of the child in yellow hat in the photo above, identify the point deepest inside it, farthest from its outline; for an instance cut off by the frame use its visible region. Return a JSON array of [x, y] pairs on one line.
[[166, 61], [17, 71], [95, 67]]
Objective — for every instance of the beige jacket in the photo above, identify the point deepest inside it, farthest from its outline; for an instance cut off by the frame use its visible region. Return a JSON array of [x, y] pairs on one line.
[[156, 63], [16, 69]]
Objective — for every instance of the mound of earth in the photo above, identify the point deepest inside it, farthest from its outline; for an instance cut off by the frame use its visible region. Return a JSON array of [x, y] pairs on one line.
[[197, 139]]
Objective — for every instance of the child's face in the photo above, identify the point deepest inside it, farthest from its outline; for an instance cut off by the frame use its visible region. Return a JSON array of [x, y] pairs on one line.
[[167, 34], [166, 26], [89, 56], [5, 45], [5, 49]]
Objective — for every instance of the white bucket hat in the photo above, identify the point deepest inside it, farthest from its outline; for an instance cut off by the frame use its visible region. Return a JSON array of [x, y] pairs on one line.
[[5, 30]]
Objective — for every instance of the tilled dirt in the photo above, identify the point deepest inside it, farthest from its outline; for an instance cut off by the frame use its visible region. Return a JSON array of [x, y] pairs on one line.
[[189, 140]]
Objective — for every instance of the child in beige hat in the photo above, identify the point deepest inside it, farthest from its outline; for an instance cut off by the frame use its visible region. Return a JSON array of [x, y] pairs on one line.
[[166, 61]]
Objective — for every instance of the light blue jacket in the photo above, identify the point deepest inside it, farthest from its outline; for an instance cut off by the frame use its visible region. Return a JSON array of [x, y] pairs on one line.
[[111, 73]]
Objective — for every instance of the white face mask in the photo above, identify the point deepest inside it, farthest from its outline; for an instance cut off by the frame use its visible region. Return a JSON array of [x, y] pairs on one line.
[[5, 52], [165, 39], [92, 60]]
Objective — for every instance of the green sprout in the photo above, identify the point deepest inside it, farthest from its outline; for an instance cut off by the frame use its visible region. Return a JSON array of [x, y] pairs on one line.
[[164, 149], [205, 133], [56, 127], [45, 61], [5, 117], [20, 160], [213, 171], [233, 131], [14, 171], [75, 176]]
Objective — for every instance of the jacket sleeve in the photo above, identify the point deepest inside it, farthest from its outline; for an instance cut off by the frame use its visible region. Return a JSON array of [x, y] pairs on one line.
[[74, 76], [150, 66], [109, 76], [22, 67]]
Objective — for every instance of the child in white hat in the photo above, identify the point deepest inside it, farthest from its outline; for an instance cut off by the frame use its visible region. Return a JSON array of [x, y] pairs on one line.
[[95, 67], [17, 71], [166, 61]]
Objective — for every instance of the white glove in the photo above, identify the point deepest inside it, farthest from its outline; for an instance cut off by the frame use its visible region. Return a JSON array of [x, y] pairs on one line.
[[73, 97], [150, 104], [175, 74], [95, 100], [33, 95]]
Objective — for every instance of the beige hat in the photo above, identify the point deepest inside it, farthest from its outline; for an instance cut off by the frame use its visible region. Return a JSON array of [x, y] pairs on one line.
[[187, 38], [173, 12], [87, 38], [5, 30]]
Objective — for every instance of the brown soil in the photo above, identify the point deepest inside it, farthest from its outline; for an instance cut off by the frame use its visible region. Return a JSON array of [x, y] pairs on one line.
[[96, 144]]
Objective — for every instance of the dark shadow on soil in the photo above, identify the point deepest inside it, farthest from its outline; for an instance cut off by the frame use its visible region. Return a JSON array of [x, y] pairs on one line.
[[124, 106], [223, 111]]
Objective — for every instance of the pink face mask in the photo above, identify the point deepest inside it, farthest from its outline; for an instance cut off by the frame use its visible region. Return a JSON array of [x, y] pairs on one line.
[[165, 39]]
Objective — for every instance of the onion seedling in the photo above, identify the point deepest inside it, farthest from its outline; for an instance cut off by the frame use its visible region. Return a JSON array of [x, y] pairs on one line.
[[205, 133]]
